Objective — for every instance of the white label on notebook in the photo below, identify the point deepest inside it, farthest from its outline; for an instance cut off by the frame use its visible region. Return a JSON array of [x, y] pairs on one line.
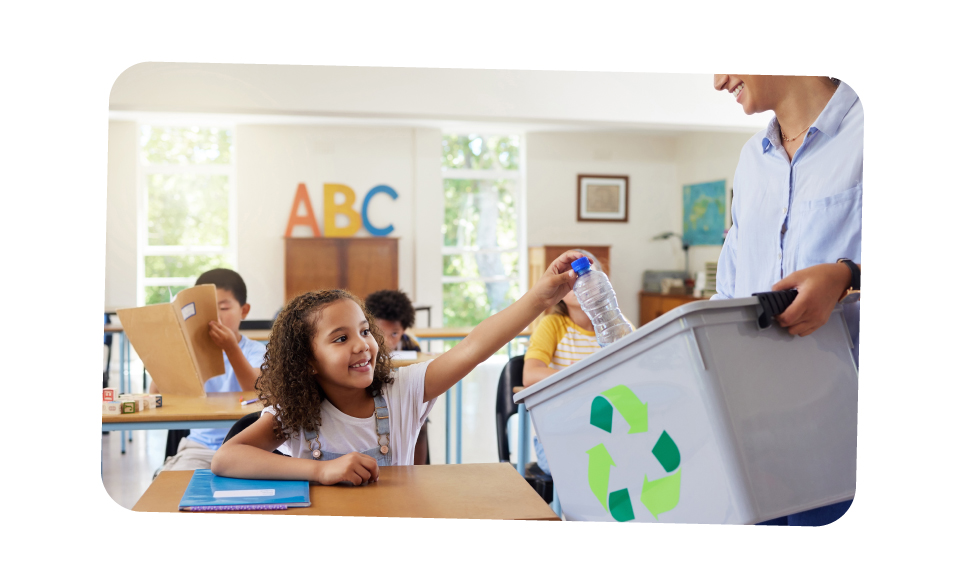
[[243, 493], [188, 311]]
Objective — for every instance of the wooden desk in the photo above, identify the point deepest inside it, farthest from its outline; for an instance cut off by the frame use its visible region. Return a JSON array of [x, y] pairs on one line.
[[256, 334], [419, 358], [454, 333], [215, 411], [466, 491], [653, 304]]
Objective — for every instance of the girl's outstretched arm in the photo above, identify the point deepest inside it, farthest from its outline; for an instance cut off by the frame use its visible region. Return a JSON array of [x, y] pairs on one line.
[[249, 455], [494, 332]]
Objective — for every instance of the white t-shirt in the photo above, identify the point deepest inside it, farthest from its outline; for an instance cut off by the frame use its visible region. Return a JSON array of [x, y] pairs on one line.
[[341, 433]]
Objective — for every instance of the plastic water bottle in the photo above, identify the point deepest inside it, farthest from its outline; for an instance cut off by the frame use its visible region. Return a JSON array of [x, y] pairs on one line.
[[596, 297]]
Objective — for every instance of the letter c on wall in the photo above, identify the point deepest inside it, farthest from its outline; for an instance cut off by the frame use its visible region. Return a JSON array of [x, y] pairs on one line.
[[365, 211]]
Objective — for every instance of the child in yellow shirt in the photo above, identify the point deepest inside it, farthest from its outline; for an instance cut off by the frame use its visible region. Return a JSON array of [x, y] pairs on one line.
[[563, 337]]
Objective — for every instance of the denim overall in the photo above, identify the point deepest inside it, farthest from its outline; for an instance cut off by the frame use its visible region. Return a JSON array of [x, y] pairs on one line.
[[381, 428]]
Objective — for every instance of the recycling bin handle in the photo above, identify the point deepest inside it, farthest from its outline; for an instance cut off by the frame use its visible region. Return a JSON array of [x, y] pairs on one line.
[[771, 304]]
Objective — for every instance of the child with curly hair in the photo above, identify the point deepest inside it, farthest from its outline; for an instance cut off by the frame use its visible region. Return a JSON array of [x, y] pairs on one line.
[[332, 402], [394, 315]]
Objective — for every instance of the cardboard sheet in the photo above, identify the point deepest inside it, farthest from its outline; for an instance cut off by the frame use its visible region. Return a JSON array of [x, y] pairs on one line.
[[172, 340]]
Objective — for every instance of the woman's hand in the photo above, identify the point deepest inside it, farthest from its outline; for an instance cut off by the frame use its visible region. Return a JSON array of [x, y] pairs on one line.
[[557, 280], [818, 289], [355, 468]]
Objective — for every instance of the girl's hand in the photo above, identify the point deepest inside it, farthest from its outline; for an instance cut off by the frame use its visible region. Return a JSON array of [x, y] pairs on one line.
[[557, 280], [355, 468], [818, 289]]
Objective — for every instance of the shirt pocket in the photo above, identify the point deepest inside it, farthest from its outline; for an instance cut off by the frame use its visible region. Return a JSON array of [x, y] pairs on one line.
[[828, 228], [846, 199]]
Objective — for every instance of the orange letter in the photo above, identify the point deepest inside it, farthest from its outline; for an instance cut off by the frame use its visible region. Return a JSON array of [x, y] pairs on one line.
[[330, 209], [308, 219]]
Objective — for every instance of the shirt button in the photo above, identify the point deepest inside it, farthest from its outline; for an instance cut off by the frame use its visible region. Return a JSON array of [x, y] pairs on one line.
[[779, 255], [783, 211]]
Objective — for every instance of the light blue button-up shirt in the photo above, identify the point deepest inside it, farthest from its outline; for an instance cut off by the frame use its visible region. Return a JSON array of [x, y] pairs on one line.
[[790, 215]]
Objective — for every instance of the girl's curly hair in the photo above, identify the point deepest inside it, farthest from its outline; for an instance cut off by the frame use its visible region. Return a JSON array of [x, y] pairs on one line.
[[286, 381]]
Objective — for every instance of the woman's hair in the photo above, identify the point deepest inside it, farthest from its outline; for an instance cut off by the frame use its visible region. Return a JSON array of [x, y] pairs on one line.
[[560, 307], [391, 305], [286, 381]]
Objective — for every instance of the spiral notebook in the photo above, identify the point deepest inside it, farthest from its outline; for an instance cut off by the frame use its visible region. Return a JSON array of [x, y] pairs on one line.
[[207, 491]]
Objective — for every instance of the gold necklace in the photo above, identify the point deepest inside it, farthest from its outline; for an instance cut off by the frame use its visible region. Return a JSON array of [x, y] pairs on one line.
[[794, 138]]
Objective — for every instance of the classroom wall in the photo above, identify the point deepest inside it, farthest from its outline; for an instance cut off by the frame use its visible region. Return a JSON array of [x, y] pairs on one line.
[[274, 159], [554, 161], [271, 161], [658, 165], [120, 289], [706, 157]]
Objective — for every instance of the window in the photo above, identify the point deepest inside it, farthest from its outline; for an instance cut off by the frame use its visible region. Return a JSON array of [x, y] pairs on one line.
[[186, 209], [483, 243]]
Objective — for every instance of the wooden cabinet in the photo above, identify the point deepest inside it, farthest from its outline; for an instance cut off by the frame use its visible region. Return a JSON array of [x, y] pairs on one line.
[[361, 265], [653, 304]]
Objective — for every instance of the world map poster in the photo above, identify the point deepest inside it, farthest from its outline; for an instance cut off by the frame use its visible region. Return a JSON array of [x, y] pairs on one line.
[[704, 210]]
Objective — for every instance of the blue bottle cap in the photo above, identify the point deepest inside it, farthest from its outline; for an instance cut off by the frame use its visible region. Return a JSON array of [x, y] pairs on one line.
[[580, 264]]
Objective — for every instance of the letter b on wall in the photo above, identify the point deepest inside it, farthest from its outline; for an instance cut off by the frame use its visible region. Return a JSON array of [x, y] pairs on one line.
[[330, 209]]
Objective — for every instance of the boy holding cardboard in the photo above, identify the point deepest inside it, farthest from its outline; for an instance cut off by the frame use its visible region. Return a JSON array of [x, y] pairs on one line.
[[242, 364]]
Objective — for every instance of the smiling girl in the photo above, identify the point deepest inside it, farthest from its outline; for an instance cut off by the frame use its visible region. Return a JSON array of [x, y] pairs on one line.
[[332, 401]]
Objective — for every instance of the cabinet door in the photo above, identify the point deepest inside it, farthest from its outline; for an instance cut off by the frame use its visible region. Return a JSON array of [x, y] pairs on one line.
[[311, 264], [371, 265], [650, 308], [360, 265]]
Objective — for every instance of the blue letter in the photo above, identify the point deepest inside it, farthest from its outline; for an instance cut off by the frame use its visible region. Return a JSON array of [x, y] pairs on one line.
[[365, 211]]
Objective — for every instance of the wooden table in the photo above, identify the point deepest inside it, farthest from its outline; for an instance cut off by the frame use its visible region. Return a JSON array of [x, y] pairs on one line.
[[215, 411], [453, 333], [466, 491], [419, 358]]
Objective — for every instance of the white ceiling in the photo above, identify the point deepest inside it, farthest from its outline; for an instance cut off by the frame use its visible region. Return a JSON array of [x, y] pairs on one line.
[[452, 99]]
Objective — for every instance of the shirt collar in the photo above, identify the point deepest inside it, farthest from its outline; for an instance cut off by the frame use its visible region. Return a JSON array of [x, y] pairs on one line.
[[828, 122]]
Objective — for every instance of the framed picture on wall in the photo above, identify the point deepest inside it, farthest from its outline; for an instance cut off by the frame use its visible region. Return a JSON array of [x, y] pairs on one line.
[[602, 198]]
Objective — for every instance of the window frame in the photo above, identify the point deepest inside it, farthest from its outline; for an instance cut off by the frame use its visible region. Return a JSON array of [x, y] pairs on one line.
[[519, 176], [143, 170]]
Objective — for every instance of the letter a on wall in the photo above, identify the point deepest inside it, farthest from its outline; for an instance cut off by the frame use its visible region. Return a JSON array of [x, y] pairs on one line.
[[330, 210], [307, 219]]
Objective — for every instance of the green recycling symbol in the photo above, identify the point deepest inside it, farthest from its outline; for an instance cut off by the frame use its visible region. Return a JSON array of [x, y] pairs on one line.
[[659, 495]]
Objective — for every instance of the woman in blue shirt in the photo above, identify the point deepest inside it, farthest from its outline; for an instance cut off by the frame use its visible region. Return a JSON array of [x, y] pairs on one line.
[[797, 207]]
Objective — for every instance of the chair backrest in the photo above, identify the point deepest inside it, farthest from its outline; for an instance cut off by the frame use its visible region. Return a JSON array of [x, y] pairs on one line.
[[242, 424], [511, 376]]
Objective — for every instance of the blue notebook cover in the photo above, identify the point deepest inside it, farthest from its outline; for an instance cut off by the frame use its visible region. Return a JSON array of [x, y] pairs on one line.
[[207, 489]]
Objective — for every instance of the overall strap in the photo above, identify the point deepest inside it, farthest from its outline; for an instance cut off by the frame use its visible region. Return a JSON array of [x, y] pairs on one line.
[[382, 427], [314, 445]]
